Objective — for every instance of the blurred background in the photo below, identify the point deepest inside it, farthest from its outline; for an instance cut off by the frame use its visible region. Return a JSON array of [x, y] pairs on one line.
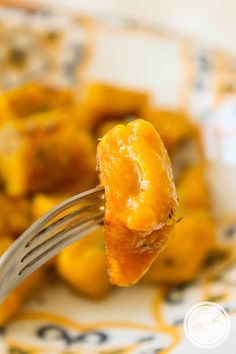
[[69, 72], [211, 21]]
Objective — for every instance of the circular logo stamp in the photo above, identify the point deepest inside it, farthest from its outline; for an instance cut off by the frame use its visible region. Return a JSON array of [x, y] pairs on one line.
[[207, 325]]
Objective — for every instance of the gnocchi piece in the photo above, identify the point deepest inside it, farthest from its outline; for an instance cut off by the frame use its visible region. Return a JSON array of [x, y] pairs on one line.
[[140, 198], [83, 265], [15, 214], [5, 111], [108, 101], [189, 243], [45, 153], [173, 127], [34, 98], [192, 189], [43, 203], [82, 114]]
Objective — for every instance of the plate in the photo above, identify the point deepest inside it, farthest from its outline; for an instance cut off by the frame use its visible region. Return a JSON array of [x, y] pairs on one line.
[[179, 73]]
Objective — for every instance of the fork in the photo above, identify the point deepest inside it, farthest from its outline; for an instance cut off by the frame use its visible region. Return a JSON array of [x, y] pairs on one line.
[[48, 236]]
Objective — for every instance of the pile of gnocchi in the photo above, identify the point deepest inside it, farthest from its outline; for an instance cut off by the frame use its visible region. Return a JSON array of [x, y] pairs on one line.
[[48, 141]]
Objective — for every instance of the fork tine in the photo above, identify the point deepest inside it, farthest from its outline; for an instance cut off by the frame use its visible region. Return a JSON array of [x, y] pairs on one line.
[[73, 201], [48, 254], [44, 233], [24, 239], [69, 237], [10, 261], [49, 242]]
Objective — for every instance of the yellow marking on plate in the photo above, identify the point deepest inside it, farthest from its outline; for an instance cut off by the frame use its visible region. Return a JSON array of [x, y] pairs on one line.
[[74, 325], [172, 331]]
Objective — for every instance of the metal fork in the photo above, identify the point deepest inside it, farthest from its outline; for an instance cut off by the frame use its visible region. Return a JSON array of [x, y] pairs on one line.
[[48, 236]]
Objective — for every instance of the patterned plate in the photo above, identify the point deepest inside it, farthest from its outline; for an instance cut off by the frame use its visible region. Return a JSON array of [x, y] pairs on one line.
[[179, 73]]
